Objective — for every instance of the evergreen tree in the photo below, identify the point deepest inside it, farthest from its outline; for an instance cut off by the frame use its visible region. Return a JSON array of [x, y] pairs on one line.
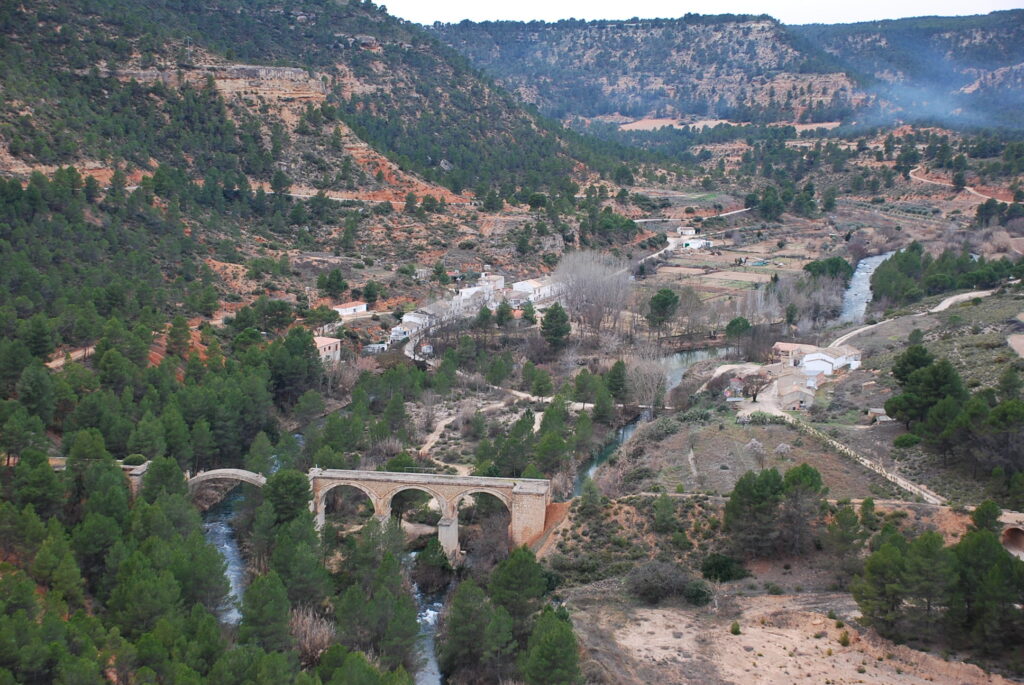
[[503, 315], [288, 491], [517, 584], [880, 593], [662, 307], [555, 327], [179, 337], [1009, 385], [529, 313], [552, 656], [265, 614], [616, 381], [986, 517], [604, 407], [752, 510], [163, 476], [928, 577], [469, 614], [36, 392]]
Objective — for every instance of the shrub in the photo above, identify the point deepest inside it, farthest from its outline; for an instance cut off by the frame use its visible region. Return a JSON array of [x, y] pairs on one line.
[[735, 628], [697, 593], [723, 568], [906, 440], [844, 639], [656, 580], [134, 460]]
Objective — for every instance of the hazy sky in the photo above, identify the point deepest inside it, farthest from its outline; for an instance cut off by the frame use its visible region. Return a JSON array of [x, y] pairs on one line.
[[788, 11]]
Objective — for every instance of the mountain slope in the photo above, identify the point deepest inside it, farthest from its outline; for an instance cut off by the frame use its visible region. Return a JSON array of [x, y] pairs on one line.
[[393, 85], [962, 70], [959, 69], [738, 67]]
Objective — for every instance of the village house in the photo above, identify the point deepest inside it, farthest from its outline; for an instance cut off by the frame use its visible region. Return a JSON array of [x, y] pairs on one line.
[[795, 390], [329, 349], [411, 323], [812, 359], [350, 308], [698, 244], [537, 289]]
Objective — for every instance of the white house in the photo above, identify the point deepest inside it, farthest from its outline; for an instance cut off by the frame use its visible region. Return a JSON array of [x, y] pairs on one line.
[[813, 360], [329, 349], [411, 323], [491, 281], [350, 308], [698, 244], [687, 230], [537, 289]]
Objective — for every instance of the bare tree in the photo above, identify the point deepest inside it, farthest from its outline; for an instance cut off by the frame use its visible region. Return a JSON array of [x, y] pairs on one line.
[[429, 400], [757, 451], [755, 383], [646, 380], [595, 287], [313, 633]]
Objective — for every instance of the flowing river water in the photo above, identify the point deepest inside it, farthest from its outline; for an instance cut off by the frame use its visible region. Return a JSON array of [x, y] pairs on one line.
[[220, 533], [858, 293]]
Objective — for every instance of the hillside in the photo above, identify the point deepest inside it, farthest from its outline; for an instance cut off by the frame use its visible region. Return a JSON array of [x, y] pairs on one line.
[[733, 67], [388, 82], [754, 69], [965, 70]]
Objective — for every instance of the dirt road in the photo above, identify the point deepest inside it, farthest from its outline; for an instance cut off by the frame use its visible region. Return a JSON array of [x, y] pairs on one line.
[[969, 189], [75, 355], [940, 307]]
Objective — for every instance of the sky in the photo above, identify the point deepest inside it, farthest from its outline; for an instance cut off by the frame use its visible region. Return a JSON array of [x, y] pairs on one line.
[[788, 11]]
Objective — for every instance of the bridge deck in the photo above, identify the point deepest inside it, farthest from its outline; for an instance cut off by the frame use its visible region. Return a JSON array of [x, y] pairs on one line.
[[518, 485]]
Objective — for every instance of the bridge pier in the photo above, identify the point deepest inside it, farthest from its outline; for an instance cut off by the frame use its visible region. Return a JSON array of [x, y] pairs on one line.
[[448, 536]]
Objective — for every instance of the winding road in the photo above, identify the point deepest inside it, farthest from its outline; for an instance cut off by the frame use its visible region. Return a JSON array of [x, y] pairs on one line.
[[940, 307], [969, 189]]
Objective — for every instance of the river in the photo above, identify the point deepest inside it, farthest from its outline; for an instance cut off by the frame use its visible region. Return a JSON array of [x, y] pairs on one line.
[[858, 293], [676, 366], [219, 532]]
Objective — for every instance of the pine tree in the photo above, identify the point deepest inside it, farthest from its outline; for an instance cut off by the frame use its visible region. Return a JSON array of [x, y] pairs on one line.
[[555, 326], [616, 381], [265, 615], [179, 337], [928, 578], [36, 392], [288, 491], [517, 584], [880, 593], [552, 656], [163, 476], [469, 614], [503, 315], [604, 407]]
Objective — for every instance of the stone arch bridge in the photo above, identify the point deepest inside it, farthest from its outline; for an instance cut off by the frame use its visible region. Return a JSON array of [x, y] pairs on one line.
[[526, 499]]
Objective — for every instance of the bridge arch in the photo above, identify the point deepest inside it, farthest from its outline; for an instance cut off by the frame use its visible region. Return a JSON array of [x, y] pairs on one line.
[[229, 477], [497, 494], [322, 500], [240, 475], [1013, 540], [445, 506]]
